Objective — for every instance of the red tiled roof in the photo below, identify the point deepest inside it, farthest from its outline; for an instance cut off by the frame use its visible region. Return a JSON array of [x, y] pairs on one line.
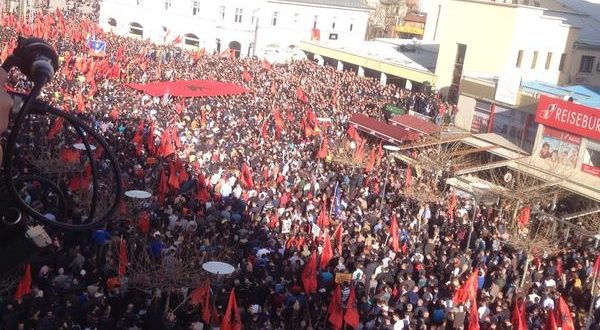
[[414, 123], [382, 130]]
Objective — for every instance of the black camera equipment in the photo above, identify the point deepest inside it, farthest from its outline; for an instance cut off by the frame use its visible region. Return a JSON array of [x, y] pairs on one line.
[[21, 234]]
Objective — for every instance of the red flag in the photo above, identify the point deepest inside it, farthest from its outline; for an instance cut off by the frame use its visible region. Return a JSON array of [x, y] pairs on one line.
[[266, 65], [523, 217], [309, 274], [144, 222], [473, 316], [173, 180], [566, 320], [352, 317], [150, 140], [181, 172], [231, 318], [408, 182], [122, 258], [336, 315], [353, 133], [518, 316], [203, 195], [69, 155], [394, 234], [323, 150], [327, 254], [80, 102], [201, 296], [596, 267], [551, 321], [337, 234], [300, 95], [138, 138], [180, 106], [323, 219], [467, 291], [55, 129], [247, 76], [81, 182], [24, 286], [371, 161], [359, 154], [264, 129], [453, 202], [177, 40], [246, 177], [166, 147]]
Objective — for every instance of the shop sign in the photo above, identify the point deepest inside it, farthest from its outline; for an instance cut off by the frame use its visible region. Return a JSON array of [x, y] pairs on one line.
[[569, 117], [591, 169]]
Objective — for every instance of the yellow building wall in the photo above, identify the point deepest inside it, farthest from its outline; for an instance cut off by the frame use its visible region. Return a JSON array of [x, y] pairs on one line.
[[486, 28], [574, 77]]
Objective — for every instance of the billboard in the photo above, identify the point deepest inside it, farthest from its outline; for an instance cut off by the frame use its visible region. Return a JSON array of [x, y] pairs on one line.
[[569, 117]]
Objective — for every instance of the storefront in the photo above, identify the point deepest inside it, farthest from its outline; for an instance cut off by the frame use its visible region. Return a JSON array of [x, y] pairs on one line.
[[570, 134]]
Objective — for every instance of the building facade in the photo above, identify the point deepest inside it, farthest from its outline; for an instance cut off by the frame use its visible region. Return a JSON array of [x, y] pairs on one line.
[[250, 27]]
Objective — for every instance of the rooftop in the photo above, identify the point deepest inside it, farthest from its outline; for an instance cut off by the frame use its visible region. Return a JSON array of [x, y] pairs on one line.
[[354, 4], [585, 95]]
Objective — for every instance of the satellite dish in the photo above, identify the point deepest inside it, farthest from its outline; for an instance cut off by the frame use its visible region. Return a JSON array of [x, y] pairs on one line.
[[508, 177]]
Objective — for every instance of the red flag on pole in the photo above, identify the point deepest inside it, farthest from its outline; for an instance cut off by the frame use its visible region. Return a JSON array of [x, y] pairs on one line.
[[551, 321], [371, 161], [309, 274], [203, 195], [300, 95], [264, 129], [353, 133], [323, 150], [246, 177], [394, 234], [150, 139], [352, 317], [327, 254], [518, 316], [468, 290], [336, 314], [55, 129], [173, 180], [337, 234], [473, 316], [566, 320], [323, 219], [359, 154], [122, 258], [163, 186], [247, 76], [24, 286], [231, 318], [596, 267]]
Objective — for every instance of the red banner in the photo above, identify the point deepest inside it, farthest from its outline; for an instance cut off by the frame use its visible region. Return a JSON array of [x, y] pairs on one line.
[[190, 88], [569, 117]]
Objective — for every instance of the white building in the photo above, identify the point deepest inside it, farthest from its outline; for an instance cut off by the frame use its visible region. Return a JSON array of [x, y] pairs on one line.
[[251, 27]]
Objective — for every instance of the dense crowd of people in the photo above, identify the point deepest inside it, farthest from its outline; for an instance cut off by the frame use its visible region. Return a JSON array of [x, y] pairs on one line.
[[247, 183]]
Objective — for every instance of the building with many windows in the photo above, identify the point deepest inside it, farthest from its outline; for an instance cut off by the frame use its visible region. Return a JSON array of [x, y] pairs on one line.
[[250, 27]]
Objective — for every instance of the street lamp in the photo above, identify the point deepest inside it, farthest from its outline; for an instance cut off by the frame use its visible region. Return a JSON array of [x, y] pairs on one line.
[[388, 149]]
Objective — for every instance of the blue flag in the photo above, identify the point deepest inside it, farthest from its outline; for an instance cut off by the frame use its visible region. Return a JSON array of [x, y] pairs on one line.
[[97, 46], [337, 203]]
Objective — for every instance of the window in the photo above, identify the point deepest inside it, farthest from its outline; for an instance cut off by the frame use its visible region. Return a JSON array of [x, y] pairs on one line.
[[587, 63], [274, 18], [351, 26], [238, 15], [195, 7], [561, 64], [168, 4], [140, 2], [296, 17], [548, 60], [315, 21], [333, 26], [591, 159], [222, 12], [534, 60], [519, 59]]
